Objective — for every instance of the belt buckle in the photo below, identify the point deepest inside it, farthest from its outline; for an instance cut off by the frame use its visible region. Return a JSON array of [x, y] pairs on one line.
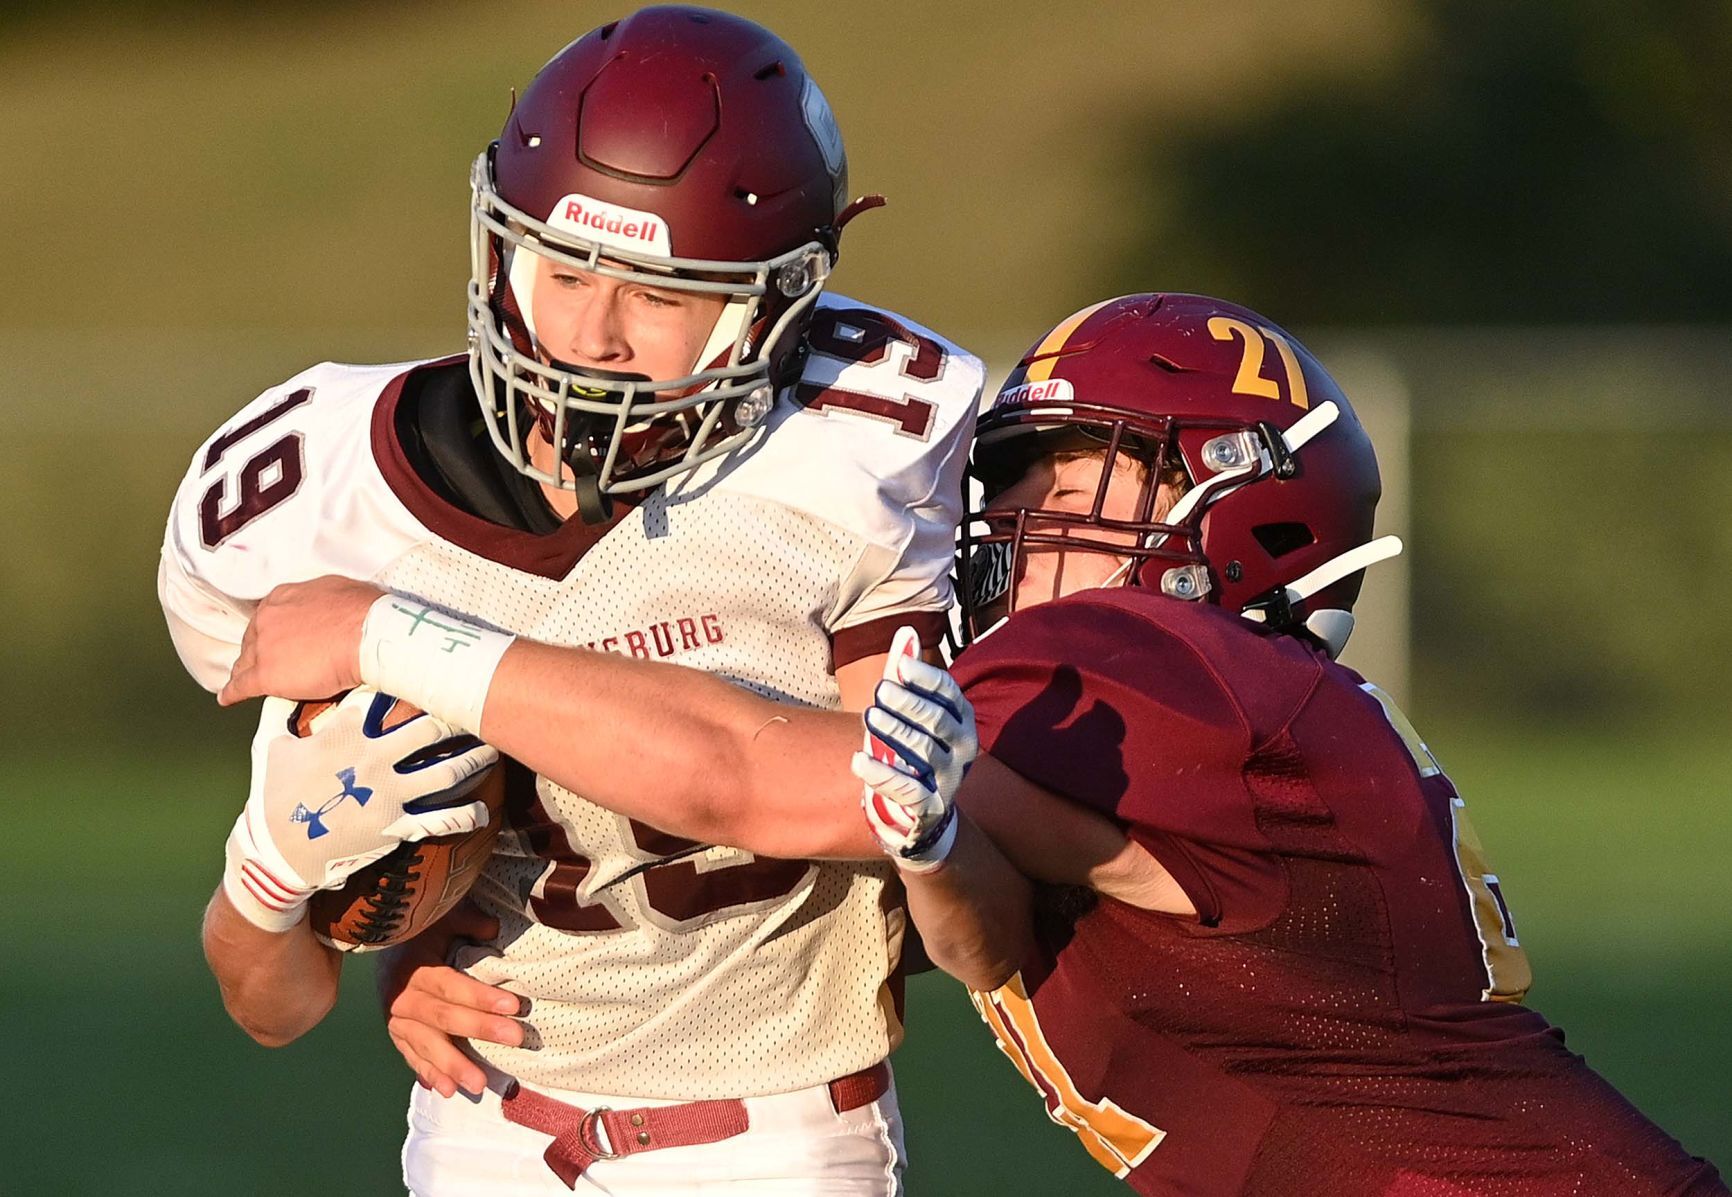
[[586, 1134]]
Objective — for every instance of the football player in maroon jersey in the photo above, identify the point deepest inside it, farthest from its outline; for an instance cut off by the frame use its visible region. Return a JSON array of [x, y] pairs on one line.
[[1326, 998], [1270, 957]]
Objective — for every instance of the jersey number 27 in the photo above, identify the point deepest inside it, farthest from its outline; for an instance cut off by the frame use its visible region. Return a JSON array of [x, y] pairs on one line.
[[1507, 973]]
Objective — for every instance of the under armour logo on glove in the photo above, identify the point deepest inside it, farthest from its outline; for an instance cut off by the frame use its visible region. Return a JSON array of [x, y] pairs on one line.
[[409, 781], [314, 819]]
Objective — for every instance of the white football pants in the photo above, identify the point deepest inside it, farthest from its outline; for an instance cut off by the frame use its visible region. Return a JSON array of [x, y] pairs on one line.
[[797, 1146]]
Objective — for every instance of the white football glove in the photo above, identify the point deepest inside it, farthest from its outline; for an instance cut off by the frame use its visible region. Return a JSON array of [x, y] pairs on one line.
[[325, 805], [920, 741]]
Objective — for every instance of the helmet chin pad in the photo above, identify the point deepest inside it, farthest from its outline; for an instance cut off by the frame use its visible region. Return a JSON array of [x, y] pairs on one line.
[[641, 445]]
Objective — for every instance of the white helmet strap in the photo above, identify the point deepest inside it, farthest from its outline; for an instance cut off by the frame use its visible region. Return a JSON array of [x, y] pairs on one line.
[[1310, 424], [1256, 464], [1336, 568], [1330, 625], [1303, 429]]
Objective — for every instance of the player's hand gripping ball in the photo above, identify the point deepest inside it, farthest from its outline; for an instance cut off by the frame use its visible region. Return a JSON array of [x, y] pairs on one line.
[[411, 814]]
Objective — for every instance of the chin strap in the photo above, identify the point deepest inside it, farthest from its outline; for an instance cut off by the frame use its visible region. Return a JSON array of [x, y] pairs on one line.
[[1332, 626], [1328, 625]]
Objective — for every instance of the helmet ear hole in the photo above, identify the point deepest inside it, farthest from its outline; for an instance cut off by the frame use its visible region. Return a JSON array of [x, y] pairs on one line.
[[1278, 540]]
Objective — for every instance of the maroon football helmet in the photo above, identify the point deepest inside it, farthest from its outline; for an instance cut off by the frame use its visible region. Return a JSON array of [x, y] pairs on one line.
[[679, 148], [1280, 479]]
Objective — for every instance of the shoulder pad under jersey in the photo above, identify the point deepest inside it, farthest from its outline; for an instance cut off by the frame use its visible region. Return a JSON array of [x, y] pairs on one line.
[[286, 490], [873, 438]]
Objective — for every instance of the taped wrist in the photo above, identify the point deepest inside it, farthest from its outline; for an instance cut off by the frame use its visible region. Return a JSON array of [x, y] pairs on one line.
[[258, 894], [442, 663]]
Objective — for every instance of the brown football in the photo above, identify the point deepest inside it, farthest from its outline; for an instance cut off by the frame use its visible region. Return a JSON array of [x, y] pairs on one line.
[[401, 894]]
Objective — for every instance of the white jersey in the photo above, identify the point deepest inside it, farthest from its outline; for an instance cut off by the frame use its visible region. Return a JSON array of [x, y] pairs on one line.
[[713, 974]]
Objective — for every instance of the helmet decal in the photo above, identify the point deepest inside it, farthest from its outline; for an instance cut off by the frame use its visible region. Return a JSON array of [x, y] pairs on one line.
[[611, 225], [1053, 390], [822, 122], [1038, 365]]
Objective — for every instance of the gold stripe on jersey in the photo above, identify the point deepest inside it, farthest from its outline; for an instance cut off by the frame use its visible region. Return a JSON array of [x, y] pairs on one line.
[[1117, 1140]]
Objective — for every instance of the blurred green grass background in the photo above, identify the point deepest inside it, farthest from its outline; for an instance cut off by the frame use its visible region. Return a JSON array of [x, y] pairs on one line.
[[1517, 210]]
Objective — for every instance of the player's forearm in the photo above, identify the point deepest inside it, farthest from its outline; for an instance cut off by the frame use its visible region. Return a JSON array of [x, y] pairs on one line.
[[974, 913], [681, 750], [275, 985], [1059, 842], [676, 748], [1044, 836]]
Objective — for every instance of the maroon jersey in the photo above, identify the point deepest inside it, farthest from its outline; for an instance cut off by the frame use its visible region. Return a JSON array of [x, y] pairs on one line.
[[1342, 1015]]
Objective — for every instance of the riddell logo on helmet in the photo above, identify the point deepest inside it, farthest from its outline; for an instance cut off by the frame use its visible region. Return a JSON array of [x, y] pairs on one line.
[[1053, 390], [631, 230], [611, 225]]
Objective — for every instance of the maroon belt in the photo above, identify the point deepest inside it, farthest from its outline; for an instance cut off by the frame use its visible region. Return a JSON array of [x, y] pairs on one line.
[[576, 1144]]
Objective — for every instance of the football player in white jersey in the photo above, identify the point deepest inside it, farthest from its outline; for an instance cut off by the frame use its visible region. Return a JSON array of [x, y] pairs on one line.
[[666, 442]]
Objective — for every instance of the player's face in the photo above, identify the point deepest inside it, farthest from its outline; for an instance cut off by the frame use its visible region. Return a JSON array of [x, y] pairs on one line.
[[1069, 484], [589, 320]]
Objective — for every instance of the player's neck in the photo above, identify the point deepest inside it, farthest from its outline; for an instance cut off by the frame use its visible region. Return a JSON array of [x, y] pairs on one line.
[[562, 502]]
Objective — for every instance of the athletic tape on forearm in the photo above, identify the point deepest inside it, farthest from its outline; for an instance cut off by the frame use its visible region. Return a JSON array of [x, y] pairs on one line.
[[441, 662]]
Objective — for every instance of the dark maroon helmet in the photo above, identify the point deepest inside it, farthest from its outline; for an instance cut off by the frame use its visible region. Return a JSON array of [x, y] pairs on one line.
[[680, 148], [1279, 480]]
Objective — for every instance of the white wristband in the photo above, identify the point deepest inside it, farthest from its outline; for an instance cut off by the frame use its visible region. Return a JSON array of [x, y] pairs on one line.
[[258, 895], [442, 663]]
